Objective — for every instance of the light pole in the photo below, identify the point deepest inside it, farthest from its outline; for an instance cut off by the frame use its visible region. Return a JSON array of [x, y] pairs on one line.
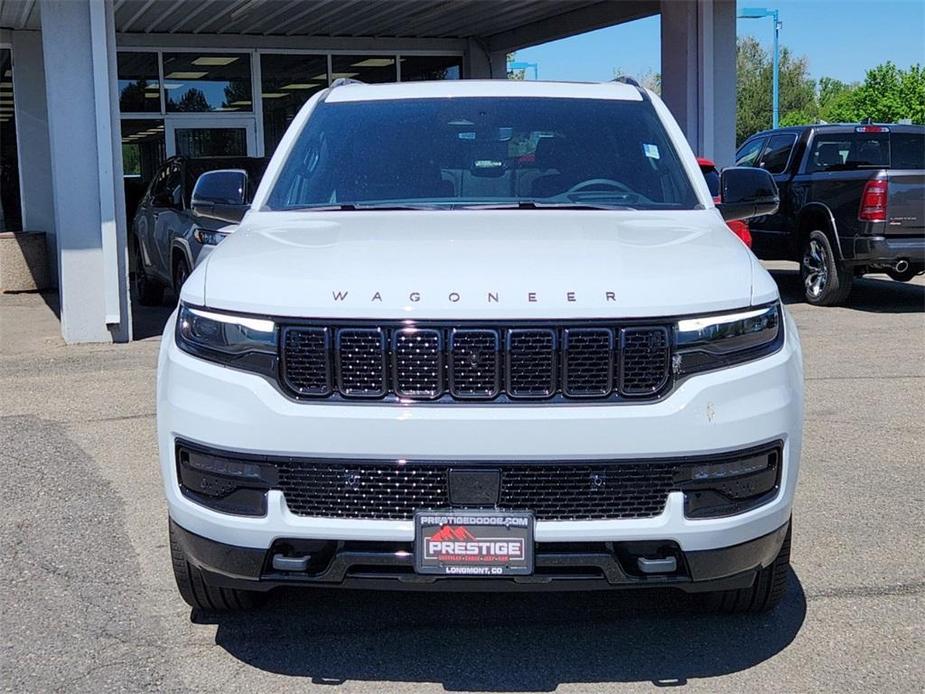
[[758, 13]]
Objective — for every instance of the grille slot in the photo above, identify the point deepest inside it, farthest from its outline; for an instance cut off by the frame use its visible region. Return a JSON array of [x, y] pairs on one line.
[[475, 363], [392, 491], [360, 360], [644, 357], [531, 363], [587, 356], [439, 361], [307, 369], [417, 362]]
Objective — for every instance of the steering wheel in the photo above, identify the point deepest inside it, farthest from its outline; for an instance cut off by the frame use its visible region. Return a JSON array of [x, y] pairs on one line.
[[616, 185]]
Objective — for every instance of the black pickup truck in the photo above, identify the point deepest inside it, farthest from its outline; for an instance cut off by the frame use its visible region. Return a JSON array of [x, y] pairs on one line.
[[852, 201]]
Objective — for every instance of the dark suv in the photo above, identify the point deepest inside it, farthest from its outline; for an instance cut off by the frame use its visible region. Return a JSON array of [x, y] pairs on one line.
[[169, 234], [852, 201]]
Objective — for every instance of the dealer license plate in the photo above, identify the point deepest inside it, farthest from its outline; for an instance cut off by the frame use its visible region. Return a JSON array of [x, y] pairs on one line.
[[473, 543]]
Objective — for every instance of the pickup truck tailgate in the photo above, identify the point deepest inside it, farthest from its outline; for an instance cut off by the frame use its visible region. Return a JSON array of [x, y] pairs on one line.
[[905, 203]]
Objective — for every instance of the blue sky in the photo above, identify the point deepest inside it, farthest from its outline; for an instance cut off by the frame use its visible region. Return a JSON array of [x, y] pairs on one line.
[[840, 38]]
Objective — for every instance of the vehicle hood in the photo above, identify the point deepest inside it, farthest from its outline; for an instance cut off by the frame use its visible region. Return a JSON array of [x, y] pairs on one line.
[[478, 264]]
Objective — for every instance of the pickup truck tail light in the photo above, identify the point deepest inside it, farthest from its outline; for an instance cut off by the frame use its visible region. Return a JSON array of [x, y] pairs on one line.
[[873, 202]]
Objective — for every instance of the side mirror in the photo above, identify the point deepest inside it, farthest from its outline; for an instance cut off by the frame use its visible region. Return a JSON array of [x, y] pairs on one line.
[[221, 195], [746, 192]]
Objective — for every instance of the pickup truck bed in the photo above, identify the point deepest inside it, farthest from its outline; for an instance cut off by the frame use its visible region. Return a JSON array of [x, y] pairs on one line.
[[861, 188]]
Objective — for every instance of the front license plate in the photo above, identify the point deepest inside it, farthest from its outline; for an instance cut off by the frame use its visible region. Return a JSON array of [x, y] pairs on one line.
[[473, 543]]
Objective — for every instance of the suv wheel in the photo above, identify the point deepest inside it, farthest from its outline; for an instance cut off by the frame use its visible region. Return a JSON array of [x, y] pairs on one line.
[[769, 587], [180, 273], [200, 595], [149, 291], [825, 281]]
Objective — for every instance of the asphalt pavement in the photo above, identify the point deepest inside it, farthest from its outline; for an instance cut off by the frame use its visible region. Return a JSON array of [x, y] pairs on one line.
[[88, 601]]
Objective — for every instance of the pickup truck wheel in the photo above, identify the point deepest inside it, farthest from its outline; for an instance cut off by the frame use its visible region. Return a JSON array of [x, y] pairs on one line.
[[200, 595], [148, 290], [769, 587], [825, 281]]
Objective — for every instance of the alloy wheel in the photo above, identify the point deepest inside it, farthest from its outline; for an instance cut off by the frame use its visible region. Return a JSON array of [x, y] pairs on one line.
[[815, 268]]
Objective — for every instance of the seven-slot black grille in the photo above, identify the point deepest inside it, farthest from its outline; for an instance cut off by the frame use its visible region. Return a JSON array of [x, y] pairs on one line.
[[429, 362], [394, 491]]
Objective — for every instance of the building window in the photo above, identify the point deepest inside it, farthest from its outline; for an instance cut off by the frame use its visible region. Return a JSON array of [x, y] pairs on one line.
[[366, 68], [139, 85], [430, 67], [211, 142], [10, 212], [286, 82], [198, 82], [142, 155]]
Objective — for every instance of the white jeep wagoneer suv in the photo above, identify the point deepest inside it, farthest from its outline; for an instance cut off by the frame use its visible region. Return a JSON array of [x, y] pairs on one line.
[[487, 335]]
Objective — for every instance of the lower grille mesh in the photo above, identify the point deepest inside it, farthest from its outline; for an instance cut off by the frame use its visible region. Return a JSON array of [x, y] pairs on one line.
[[392, 491]]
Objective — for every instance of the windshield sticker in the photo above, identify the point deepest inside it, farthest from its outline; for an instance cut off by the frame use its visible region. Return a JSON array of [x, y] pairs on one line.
[[650, 151]]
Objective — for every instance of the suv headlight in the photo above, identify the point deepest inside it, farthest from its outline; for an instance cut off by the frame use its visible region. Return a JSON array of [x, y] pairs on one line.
[[243, 342], [726, 339], [208, 237]]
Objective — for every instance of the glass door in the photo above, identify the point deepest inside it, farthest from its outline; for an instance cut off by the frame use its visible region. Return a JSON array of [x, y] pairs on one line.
[[195, 136]]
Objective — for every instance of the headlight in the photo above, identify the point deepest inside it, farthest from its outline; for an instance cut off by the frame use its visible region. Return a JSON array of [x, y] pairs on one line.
[[726, 339], [243, 342], [209, 238]]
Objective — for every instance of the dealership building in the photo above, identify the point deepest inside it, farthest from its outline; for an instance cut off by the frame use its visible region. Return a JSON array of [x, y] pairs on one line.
[[95, 94]]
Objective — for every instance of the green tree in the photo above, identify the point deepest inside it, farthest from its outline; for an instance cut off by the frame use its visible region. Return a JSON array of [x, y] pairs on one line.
[[889, 94], [753, 89]]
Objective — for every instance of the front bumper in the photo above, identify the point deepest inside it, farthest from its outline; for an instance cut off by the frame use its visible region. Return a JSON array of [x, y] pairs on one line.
[[559, 566], [726, 410]]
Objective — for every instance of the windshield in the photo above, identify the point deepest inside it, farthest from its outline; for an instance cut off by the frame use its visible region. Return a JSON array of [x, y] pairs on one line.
[[468, 151]]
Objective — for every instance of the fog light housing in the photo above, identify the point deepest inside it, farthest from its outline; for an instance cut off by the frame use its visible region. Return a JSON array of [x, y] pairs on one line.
[[228, 485], [732, 486]]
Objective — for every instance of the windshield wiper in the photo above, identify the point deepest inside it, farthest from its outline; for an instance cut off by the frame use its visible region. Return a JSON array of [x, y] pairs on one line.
[[535, 205], [355, 207]]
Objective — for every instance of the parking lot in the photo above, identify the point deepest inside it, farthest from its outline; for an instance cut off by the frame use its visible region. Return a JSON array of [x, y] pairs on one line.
[[88, 600]]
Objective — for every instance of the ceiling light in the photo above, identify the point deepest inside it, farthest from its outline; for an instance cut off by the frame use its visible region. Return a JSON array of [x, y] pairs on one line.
[[344, 75], [375, 62], [152, 95], [172, 85], [216, 61], [300, 85], [186, 75], [273, 95], [323, 77], [240, 103]]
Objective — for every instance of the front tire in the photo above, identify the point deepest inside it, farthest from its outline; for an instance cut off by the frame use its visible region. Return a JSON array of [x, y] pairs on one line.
[[200, 595], [180, 272], [148, 290], [825, 281], [764, 594]]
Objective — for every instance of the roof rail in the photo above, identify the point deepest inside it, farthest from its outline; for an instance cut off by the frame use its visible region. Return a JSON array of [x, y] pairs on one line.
[[626, 79], [344, 81]]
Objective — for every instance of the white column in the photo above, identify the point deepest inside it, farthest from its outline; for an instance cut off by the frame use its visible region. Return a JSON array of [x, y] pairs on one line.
[[78, 39], [699, 73], [32, 139]]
